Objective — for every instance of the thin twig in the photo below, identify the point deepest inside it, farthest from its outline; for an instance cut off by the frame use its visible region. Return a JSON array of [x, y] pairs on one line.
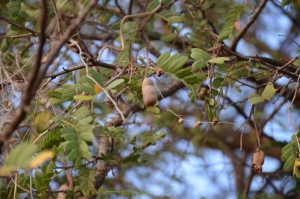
[[20, 26], [102, 88], [256, 130], [245, 125], [121, 29], [58, 18], [288, 63], [290, 117]]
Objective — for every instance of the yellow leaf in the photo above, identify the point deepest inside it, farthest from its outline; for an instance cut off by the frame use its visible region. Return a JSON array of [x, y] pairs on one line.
[[97, 88], [41, 157], [4, 171], [296, 165]]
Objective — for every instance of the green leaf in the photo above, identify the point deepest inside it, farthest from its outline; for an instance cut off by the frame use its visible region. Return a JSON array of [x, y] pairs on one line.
[[162, 58], [115, 83], [153, 109], [37, 180], [133, 139], [86, 136], [191, 79], [199, 64], [87, 89], [292, 151], [98, 77], [131, 158], [155, 3], [77, 163], [50, 167], [269, 91], [83, 97], [209, 113], [183, 73], [169, 61], [83, 147], [83, 128], [81, 113], [14, 8], [201, 77], [51, 139], [238, 89], [217, 82], [177, 64], [175, 19], [129, 26], [219, 60], [126, 193], [69, 134], [199, 54], [295, 139], [68, 92], [162, 134], [86, 180], [255, 98], [86, 120], [67, 145], [5, 44], [123, 56], [288, 147], [289, 164], [168, 38], [55, 93], [86, 155], [73, 154], [222, 68], [21, 155], [231, 18]]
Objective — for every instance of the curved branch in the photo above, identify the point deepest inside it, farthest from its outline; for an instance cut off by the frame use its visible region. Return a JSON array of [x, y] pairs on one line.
[[249, 23]]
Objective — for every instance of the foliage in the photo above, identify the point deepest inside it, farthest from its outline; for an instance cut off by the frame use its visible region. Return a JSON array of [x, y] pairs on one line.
[[73, 119]]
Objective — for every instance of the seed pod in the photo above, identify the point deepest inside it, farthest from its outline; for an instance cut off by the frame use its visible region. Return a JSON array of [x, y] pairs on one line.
[[180, 121], [197, 124], [258, 161], [149, 92], [237, 26], [202, 93]]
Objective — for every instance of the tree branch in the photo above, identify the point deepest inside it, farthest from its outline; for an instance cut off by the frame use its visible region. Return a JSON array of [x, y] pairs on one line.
[[30, 90], [249, 23]]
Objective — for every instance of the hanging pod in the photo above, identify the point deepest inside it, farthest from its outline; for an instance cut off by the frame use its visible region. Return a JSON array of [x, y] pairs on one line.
[[149, 92]]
